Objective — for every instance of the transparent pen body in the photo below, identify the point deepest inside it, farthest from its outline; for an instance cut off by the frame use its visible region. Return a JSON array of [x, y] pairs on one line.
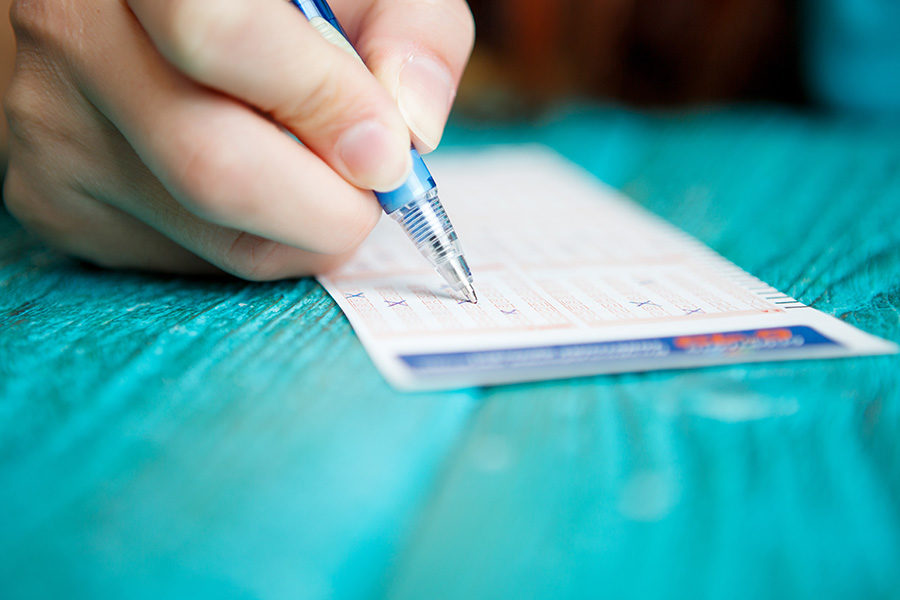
[[417, 208]]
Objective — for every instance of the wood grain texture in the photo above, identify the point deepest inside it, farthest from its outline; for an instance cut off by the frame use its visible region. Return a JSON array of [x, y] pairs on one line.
[[165, 437]]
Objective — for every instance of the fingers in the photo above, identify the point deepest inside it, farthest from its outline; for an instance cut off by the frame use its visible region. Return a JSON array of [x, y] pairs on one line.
[[266, 54], [245, 255], [96, 232], [222, 161], [108, 237], [77, 181], [234, 251], [418, 49]]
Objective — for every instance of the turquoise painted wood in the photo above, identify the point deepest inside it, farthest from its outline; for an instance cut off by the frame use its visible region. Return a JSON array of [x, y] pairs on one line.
[[165, 437]]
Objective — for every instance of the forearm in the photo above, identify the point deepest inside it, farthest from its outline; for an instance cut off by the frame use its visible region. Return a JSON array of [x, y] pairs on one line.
[[7, 58]]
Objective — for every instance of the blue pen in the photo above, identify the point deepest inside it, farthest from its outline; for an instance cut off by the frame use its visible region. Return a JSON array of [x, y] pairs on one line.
[[414, 205]]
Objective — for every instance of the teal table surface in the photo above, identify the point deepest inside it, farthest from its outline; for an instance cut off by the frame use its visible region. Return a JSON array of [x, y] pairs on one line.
[[166, 437]]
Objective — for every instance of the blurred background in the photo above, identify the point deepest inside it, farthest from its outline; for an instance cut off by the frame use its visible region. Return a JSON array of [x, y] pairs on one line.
[[837, 54]]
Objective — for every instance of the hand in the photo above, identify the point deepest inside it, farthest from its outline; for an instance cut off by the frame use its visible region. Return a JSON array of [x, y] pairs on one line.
[[147, 136], [7, 57]]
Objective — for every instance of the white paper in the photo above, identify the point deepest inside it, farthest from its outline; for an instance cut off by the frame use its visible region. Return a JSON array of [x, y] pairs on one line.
[[573, 278]]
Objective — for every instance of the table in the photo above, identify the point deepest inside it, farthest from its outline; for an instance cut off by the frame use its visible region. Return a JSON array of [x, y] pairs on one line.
[[163, 437]]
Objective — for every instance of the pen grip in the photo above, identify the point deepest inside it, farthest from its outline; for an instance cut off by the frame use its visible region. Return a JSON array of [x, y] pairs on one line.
[[323, 20], [420, 181]]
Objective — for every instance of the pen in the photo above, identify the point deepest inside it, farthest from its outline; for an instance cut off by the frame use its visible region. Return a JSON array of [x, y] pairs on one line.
[[415, 204]]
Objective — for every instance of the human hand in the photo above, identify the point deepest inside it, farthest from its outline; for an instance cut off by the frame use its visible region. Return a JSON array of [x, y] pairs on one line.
[[7, 57], [147, 136]]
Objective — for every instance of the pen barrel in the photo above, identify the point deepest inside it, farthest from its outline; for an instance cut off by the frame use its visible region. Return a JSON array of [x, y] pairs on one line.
[[420, 182], [319, 9], [419, 185]]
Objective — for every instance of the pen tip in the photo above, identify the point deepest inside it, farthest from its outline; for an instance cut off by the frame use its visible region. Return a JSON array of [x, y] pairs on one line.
[[458, 277]]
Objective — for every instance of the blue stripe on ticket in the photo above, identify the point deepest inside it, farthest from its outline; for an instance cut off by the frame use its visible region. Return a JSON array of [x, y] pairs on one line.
[[730, 343]]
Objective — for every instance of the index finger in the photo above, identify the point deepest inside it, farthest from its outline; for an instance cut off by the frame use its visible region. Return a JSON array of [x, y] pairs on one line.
[[267, 55], [418, 49]]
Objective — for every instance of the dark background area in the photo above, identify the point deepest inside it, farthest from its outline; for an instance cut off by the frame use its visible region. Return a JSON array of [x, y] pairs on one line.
[[642, 52]]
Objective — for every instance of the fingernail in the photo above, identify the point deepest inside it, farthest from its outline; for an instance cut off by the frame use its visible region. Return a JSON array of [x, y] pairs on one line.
[[373, 156], [425, 95]]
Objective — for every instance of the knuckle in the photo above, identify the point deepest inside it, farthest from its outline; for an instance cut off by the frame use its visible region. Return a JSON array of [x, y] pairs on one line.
[[181, 27], [54, 223], [323, 263], [47, 23], [253, 258], [207, 179], [458, 26], [449, 23], [17, 103], [353, 229], [22, 106], [15, 195], [464, 21], [325, 97], [32, 210], [27, 16], [193, 30]]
